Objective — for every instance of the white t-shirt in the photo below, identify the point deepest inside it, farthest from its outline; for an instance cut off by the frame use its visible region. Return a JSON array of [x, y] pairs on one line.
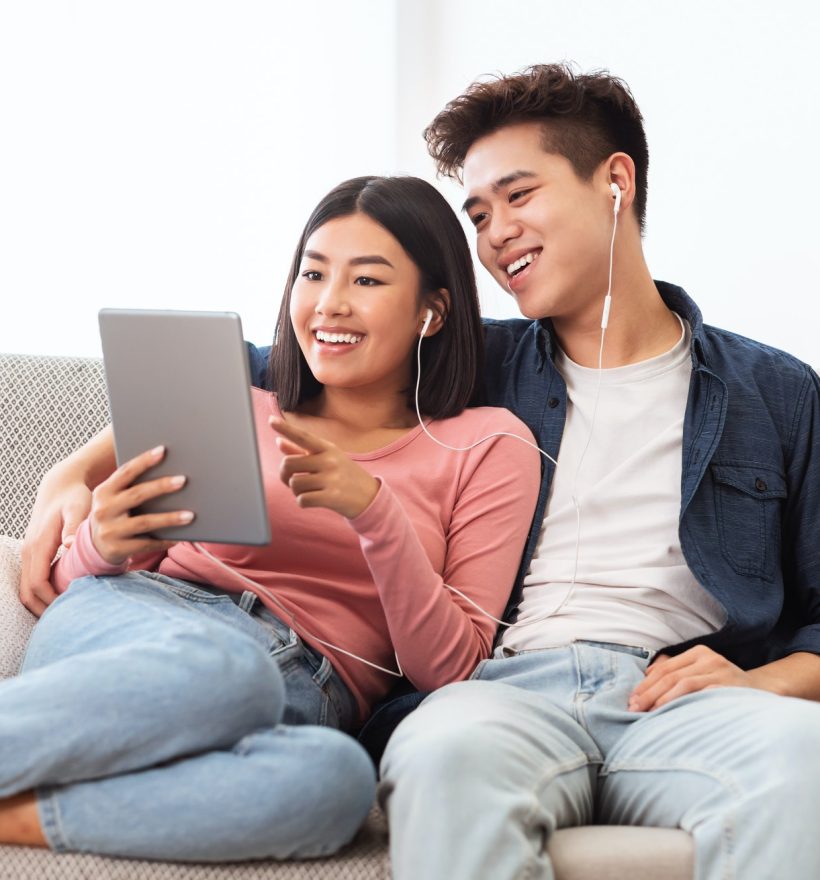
[[633, 586]]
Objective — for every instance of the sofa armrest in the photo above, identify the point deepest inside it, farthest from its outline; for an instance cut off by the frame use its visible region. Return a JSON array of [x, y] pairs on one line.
[[16, 622]]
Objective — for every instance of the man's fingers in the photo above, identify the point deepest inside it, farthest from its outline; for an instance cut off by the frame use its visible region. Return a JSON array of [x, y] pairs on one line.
[[307, 441], [36, 592], [692, 684]]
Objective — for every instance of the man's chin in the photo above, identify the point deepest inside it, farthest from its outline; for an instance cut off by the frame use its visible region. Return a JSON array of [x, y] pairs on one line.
[[533, 307]]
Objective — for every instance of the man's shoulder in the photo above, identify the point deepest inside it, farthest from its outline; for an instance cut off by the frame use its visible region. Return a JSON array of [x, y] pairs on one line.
[[508, 328], [735, 357], [508, 339]]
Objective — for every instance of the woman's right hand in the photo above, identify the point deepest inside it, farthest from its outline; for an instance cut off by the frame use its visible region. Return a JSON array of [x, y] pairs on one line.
[[116, 534]]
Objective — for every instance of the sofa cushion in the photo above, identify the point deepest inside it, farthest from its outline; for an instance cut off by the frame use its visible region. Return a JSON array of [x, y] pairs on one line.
[[15, 621], [58, 403]]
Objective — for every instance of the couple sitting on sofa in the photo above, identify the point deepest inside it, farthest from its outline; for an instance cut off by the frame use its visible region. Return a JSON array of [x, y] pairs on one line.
[[665, 611]]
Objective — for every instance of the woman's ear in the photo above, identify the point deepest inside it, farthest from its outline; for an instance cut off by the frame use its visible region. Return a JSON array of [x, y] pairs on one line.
[[437, 302]]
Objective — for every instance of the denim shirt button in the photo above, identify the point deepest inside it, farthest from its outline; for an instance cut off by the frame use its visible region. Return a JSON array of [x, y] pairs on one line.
[[553, 402], [760, 485]]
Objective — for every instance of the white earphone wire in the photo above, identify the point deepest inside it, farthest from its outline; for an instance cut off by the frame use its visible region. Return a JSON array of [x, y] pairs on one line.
[[398, 672], [575, 501], [255, 587]]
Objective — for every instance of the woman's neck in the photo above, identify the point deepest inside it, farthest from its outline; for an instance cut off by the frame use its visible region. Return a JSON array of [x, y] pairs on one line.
[[356, 422]]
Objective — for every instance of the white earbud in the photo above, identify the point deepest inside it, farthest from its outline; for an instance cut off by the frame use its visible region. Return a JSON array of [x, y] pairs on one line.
[[616, 191], [427, 322]]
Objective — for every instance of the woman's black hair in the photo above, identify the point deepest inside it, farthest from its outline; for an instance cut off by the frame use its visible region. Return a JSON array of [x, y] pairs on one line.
[[419, 218]]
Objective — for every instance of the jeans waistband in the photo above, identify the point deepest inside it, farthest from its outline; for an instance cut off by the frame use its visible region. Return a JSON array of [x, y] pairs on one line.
[[236, 598], [637, 650]]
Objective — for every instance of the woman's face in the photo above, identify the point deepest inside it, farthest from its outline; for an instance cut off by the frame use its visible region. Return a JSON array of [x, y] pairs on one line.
[[355, 306]]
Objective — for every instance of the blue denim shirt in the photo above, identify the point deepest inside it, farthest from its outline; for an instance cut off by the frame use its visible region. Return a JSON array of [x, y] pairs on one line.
[[750, 484]]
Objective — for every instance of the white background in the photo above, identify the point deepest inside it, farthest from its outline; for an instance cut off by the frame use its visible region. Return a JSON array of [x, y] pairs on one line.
[[167, 154]]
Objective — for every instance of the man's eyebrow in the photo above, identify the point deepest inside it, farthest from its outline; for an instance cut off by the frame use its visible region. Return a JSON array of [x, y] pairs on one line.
[[506, 180], [367, 260]]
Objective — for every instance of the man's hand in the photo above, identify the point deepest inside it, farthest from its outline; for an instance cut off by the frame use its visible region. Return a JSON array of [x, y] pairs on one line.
[[697, 669], [59, 509], [320, 474]]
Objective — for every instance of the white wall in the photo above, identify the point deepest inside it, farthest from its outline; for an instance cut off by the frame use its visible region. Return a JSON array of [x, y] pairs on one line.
[[167, 153], [731, 100]]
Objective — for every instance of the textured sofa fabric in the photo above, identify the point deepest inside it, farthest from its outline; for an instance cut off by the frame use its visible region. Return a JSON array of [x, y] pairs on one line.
[[50, 406]]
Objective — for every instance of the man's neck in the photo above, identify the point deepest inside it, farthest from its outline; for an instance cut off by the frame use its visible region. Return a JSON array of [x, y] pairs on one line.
[[640, 327]]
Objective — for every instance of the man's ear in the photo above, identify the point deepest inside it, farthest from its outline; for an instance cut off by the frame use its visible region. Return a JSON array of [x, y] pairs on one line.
[[439, 302], [620, 170]]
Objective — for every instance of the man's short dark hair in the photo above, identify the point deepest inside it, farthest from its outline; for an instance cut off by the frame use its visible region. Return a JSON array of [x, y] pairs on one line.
[[586, 118]]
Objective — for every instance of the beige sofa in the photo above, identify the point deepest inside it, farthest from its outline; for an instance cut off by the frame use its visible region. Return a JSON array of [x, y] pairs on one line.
[[48, 407]]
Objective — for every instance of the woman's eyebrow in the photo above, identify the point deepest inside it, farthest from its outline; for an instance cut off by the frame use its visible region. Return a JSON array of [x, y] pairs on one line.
[[372, 258], [366, 260]]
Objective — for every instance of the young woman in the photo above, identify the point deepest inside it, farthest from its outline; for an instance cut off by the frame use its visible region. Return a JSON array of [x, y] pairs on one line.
[[192, 702]]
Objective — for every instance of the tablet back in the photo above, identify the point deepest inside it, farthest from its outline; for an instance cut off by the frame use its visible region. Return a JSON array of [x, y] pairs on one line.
[[181, 379]]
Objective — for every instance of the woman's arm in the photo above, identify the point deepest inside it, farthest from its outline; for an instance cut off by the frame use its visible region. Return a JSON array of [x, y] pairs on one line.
[[439, 636], [63, 501]]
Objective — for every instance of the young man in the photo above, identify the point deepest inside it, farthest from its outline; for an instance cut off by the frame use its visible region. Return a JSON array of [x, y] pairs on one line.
[[680, 526]]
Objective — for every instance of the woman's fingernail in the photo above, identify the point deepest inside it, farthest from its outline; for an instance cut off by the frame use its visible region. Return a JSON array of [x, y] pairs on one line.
[[178, 482], [186, 516], [157, 451]]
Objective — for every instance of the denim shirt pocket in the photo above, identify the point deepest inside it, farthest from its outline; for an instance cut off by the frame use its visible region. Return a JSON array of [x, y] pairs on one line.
[[748, 500]]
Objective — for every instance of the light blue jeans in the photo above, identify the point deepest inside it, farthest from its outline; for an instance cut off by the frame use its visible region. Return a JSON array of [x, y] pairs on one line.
[[477, 778], [148, 716]]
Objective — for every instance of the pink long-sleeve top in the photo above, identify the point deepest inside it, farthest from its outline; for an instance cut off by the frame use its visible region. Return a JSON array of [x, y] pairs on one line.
[[374, 584]]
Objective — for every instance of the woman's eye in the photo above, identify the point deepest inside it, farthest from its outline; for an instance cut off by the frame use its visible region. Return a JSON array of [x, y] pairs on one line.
[[312, 275], [366, 281]]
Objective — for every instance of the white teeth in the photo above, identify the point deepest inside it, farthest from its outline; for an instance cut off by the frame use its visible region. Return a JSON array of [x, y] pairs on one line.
[[349, 338], [520, 263]]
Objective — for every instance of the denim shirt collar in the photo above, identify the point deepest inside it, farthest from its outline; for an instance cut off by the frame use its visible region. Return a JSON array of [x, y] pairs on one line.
[[675, 299]]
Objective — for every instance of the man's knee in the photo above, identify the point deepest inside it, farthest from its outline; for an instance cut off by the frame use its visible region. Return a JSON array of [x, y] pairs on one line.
[[454, 735], [789, 746]]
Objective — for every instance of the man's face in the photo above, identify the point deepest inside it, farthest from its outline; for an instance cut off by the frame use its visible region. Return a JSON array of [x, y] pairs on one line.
[[542, 232]]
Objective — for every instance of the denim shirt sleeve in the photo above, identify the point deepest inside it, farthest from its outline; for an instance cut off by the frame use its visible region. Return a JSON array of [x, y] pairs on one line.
[[258, 364], [801, 523]]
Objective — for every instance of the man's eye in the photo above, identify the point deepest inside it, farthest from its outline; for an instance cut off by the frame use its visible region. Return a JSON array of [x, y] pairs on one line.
[[366, 281], [478, 219], [312, 275], [518, 194]]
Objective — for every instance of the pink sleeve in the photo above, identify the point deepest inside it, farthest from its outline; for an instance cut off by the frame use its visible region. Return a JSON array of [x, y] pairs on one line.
[[83, 558], [439, 637]]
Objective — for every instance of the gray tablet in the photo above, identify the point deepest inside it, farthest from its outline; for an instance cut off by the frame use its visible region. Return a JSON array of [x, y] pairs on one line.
[[181, 380]]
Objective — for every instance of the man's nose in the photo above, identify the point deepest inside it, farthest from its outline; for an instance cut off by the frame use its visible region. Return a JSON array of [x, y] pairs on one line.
[[502, 228]]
